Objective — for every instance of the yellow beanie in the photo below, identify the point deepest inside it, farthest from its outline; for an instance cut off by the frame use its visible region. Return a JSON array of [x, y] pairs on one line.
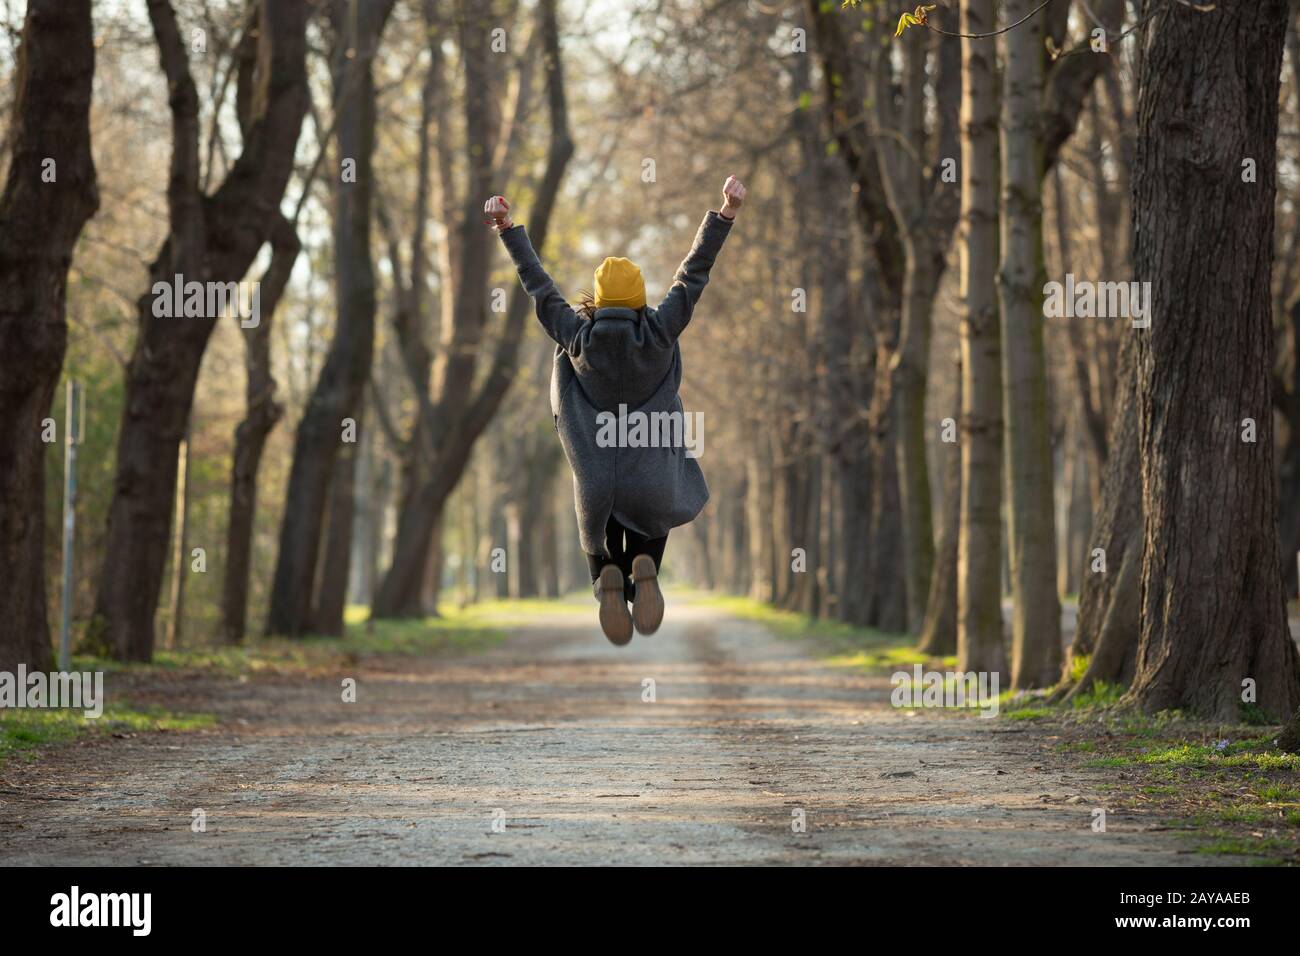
[[619, 283]]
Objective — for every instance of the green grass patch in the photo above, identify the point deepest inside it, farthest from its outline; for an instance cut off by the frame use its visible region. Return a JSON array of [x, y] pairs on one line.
[[1100, 695], [1226, 843], [847, 645], [1252, 715], [1276, 794], [468, 629], [1109, 762], [1249, 753], [1028, 713], [1078, 746], [23, 729], [1079, 666]]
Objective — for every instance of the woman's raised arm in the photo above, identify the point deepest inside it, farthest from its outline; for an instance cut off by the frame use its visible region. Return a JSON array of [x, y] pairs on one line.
[[674, 312], [556, 315]]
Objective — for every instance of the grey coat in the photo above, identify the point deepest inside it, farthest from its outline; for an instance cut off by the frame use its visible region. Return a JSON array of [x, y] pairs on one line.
[[622, 357]]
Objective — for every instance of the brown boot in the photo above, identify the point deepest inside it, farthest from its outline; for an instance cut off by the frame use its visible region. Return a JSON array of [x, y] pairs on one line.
[[648, 605], [614, 619]]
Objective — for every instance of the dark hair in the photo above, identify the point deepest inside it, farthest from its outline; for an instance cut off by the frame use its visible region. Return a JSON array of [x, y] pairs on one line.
[[586, 305]]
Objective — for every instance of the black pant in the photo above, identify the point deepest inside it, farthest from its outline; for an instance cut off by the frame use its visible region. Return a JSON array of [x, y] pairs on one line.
[[621, 554]]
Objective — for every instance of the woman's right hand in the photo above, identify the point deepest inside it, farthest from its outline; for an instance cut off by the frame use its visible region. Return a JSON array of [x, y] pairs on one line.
[[733, 194], [496, 213]]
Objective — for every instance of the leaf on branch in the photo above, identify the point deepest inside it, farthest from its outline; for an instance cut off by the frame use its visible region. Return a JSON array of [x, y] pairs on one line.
[[917, 18]]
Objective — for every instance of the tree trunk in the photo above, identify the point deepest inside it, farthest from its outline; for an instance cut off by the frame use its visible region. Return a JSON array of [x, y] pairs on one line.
[[330, 601], [758, 508], [261, 414], [979, 542], [1031, 517], [212, 238], [40, 221], [1213, 613], [855, 480], [338, 393], [1106, 634], [180, 545], [810, 597], [939, 630], [431, 593], [785, 498], [548, 549], [886, 579], [1286, 399]]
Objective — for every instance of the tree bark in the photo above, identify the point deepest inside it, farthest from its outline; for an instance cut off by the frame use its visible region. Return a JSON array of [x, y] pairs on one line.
[[1213, 613], [212, 238], [1031, 516], [180, 545], [1106, 634], [330, 601], [758, 508], [1286, 400], [39, 224], [939, 628], [887, 579], [979, 542]]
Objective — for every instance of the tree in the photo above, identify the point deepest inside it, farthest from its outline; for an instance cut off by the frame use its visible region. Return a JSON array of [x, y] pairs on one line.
[[212, 237], [333, 415], [979, 540], [459, 411], [875, 590], [904, 160], [49, 194], [1213, 612], [1031, 531]]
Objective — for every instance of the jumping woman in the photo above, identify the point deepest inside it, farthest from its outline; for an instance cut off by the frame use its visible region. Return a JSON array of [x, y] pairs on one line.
[[616, 356]]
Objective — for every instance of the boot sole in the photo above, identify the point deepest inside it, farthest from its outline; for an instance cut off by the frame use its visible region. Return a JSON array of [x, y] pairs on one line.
[[648, 605], [614, 619]]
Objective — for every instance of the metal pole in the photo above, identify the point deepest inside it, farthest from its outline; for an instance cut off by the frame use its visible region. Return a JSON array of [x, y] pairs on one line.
[[73, 414]]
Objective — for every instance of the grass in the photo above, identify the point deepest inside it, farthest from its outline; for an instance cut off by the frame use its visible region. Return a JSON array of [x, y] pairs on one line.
[[1226, 843], [23, 730], [1253, 753], [843, 645], [1277, 794], [1228, 788], [464, 630], [454, 630]]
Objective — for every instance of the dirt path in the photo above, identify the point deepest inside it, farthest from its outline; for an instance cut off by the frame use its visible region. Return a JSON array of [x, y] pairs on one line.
[[549, 733]]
